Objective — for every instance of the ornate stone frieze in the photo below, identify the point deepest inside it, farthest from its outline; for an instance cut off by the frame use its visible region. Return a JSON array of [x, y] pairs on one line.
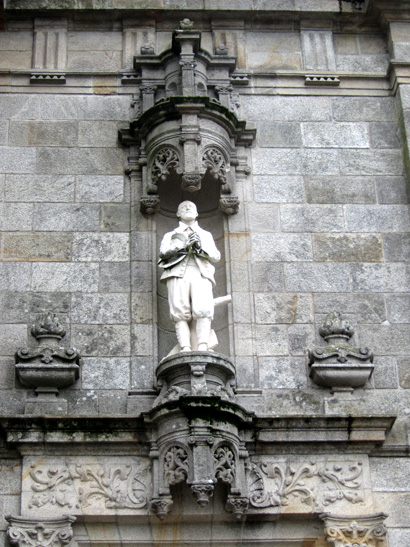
[[358, 531], [88, 487], [315, 485], [26, 532], [339, 365]]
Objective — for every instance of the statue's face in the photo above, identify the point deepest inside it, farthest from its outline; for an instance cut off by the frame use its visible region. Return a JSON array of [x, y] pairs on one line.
[[187, 211]]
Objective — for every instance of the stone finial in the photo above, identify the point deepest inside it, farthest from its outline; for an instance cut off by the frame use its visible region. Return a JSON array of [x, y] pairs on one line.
[[186, 24], [48, 326], [334, 326]]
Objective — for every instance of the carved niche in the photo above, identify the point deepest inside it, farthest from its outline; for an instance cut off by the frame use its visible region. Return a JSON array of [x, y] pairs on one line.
[[185, 123]]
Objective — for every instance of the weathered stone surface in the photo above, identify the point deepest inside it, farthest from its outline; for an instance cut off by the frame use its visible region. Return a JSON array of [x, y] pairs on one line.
[[112, 308], [391, 190], [141, 276], [366, 308], [116, 217], [19, 106], [82, 161], [283, 308], [318, 50], [50, 133], [65, 217], [101, 247], [279, 134], [37, 246], [97, 133], [105, 373], [404, 372], [12, 337], [60, 277], [101, 340], [267, 277], [277, 189], [17, 160], [16, 216], [287, 109], [98, 41], [282, 373], [6, 373], [339, 135], [78, 60], [115, 277], [141, 246], [271, 340], [51, 188], [385, 374], [142, 339], [363, 63], [311, 218], [371, 162], [142, 373], [276, 50], [300, 337], [398, 308], [141, 310], [3, 132], [281, 247], [113, 402], [377, 218], [330, 189], [15, 277], [366, 109], [380, 278], [100, 188], [385, 135], [386, 339], [397, 247], [347, 248], [263, 218], [317, 277], [391, 475], [79, 107]]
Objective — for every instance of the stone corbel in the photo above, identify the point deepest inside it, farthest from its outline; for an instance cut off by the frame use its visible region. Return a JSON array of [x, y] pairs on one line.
[[26, 532], [355, 531]]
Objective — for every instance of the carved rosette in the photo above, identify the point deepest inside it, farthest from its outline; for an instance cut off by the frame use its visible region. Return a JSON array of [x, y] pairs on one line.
[[176, 465], [358, 531], [339, 365], [46, 533]]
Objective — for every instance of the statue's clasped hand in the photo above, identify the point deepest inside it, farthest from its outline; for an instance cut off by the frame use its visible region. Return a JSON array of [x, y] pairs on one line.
[[194, 241]]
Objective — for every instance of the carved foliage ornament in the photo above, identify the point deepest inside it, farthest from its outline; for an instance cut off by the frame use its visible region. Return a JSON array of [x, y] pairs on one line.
[[215, 162], [360, 531], [48, 533], [165, 160], [224, 461], [176, 465]]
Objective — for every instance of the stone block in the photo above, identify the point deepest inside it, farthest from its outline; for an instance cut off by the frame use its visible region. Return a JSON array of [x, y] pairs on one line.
[[81, 161], [271, 340], [239, 246], [81, 107], [366, 308], [245, 372], [82, 403], [115, 217], [301, 337], [12, 337], [278, 189], [142, 373], [3, 133], [15, 60], [141, 276], [363, 63], [281, 247], [279, 134], [390, 474], [311, 218], [385, 135], [347, 248], [240, 276], [391, 190], [403, 364], [335, 135], [141, 307], [390, 340], [100, 188], [377, 218], [263, 217], [141, 246], [271, 161], [330, 189], [65, 217], [61, 277], [385, 373], [243, 340], [37, 246], [16, 41], [363, 109], [111, 308], [287, 109], [97, 41], [88, 60], [6, 373], [101, 340], [115, 277], [241, 307], [12, 403], [34, 133], [320, 277], [112, 403], [19, 106], [142, 340], [320, 162], [16, 307], [98, 133], [15, 277], [282, 372], [371, 162], [51, 188], [16, 216], [105, 373], [17, 160], [101, 247], [346, 44], [283, 308], [398, 308], [380, 277]]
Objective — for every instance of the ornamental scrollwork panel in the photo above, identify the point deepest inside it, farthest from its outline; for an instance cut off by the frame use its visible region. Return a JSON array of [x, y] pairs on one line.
[[164, 161], [73, 486], [176, 465], [315, 485], [213, 160], [224, 464]]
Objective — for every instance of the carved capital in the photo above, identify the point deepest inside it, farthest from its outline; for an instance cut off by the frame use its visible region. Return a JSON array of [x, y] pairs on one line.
[[162, 506], [46, 533], [229, 205], [237, 505], [202, 492], [359, 531], [149, 205]]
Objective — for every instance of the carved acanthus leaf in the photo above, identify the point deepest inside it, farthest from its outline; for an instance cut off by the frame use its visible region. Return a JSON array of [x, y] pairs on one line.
[[52, 486], [215, 162], [224, 463], [48, 533], [176, 465], [164, 161]]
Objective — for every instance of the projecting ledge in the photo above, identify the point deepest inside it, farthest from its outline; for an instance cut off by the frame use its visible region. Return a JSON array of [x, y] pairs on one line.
[[365, 430]]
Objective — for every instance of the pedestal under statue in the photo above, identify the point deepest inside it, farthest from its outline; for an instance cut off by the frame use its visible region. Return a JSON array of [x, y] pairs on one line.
[[187, 255]]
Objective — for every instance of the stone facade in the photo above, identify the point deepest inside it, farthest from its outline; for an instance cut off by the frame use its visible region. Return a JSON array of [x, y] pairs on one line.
[[288, 124]]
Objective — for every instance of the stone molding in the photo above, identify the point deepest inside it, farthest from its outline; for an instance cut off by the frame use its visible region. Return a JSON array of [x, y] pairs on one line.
[[26, 532]]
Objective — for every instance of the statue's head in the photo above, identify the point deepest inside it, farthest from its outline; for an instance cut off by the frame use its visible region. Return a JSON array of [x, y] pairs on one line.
[[187, 211]]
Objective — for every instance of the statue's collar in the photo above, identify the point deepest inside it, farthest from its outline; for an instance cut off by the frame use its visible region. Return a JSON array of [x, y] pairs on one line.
[[182, 226]]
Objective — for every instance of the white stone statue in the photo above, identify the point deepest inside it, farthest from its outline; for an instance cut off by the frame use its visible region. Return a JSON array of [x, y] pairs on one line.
[[186, 255]]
